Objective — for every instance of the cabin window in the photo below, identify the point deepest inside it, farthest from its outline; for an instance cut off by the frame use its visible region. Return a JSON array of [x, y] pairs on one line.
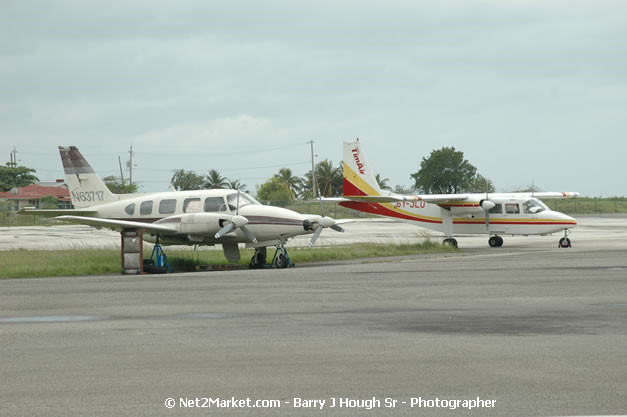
[[512, 208], [497, 209], [145, 208], [191, 205], [213, 203], [243, 198], [167, 206], [534, 206], [130, 209]]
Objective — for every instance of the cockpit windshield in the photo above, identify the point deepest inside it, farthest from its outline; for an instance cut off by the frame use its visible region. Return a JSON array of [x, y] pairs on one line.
[[244, 200], [533, 206]]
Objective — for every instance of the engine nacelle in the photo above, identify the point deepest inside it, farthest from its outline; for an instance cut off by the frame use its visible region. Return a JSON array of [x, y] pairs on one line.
[[487, 205], [199, 224]]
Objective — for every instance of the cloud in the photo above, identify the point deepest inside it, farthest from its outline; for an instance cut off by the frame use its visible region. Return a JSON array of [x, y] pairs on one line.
[[483, 75], [214, 135]]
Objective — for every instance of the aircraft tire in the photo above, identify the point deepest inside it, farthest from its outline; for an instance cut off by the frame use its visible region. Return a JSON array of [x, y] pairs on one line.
[[449, 241], [564, 243], [257, 261], [493, 241], [281, 261], [500, 241]]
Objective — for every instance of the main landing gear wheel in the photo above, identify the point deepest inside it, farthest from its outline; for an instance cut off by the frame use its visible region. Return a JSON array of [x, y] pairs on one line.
[[495, 241], [564, 243], [259, 259], [449, 241]]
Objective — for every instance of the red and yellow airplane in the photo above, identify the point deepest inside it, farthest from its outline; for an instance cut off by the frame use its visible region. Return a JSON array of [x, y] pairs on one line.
[[493, 214]]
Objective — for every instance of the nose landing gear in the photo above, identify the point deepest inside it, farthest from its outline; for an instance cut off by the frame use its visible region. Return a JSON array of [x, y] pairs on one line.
[[565, 241], [281, 259]]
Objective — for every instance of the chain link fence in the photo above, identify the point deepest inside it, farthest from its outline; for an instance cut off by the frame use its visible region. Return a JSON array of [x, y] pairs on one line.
[[580, 205]]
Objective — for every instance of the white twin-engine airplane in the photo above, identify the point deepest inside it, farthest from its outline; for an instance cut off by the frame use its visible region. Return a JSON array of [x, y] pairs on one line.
[[208, 217], [494, 214]]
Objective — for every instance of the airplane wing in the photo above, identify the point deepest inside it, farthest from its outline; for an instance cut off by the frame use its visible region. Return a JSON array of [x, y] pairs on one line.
[[56, 212], [429, 198], [367, 199], [549, 194], [118, 224]]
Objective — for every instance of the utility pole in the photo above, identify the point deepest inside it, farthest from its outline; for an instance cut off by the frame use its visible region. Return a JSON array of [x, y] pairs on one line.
[[130, 166], [121, 174], [13, 162], [313, 170]]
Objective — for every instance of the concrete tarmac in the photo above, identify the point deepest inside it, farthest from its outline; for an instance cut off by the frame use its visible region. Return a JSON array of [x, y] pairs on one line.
[[376, 230], [540, 331]]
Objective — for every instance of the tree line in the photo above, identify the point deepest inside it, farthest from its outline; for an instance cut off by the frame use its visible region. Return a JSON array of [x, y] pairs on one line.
[[444, 171]]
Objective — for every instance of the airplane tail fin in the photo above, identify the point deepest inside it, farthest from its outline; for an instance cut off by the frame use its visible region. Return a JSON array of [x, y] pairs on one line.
[[85, 186], [359, 179]]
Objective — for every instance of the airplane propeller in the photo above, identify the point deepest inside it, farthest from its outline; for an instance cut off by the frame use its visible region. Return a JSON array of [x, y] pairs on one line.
[[237, 222], [324, 222], [487, 205]]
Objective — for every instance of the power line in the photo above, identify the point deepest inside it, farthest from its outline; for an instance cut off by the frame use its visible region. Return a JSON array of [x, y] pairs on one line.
[[225, 169]]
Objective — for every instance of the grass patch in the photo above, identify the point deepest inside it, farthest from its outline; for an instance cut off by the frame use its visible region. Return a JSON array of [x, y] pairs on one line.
[[41, 263], [35, 264]]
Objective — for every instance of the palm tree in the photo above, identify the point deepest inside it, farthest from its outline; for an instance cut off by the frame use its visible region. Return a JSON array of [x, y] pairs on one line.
[[330, 179], [215, 180], [293, 183], [383, 183], [236, 185]]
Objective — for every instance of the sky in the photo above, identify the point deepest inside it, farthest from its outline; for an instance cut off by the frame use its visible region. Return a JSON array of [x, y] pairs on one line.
[[530, 91]]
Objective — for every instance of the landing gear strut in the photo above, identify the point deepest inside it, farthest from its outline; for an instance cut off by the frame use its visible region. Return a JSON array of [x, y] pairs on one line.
[[565, 241], [495, 241], [259, 258], [280, 259]]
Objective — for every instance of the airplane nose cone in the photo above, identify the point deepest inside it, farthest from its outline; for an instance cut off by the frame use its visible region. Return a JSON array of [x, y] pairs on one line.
[[567, 219]]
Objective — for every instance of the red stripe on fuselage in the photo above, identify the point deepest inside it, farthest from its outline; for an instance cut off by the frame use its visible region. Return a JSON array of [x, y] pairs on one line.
[[376, 208]]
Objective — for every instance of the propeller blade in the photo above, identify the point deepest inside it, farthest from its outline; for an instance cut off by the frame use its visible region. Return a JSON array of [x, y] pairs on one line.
[[226, 229], [315, 236], [487, 205], [249, 234], [337, 228]]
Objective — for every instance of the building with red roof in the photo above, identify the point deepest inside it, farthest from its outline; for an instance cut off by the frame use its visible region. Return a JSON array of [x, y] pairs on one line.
[[31, 195]]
